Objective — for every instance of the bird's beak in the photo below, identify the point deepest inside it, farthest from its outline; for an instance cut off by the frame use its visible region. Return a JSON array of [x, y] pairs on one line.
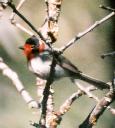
[[21, 47]]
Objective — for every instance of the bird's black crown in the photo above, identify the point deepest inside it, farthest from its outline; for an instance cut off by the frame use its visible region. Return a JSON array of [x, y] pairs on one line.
[[33, 41]]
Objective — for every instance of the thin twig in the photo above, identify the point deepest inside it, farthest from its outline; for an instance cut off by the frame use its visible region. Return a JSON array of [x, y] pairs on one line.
[[50, 27], [22, 28], [21, 3], [110, 54], [107, 8], [27, 21], [18, 25], [91, 28], [3, 3], [66, 106], [87, 92], [99, 109]]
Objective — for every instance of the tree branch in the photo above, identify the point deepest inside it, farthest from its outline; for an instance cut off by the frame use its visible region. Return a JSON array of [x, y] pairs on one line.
[[21, 3], [50, 27], [56, 117], [18, 84], [10, 4], [46, 93], [91, 28], [18, 25], [99, 109], [53, 11]]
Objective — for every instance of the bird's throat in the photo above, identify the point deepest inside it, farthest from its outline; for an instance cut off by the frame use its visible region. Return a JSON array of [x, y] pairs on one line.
[[30, 56]]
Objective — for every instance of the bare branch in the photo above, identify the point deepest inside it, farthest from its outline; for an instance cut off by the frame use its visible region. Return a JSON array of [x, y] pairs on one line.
[[22, 28], [3, 3], [65, 107], [56, 116], [99, 109], [91, 28], [112, 110], [87, 91], [107, 8], [18, 84], [50, 109], [40, 88], [21, 3], [14, 22], [50, 27], [10, 4], [46, 93]]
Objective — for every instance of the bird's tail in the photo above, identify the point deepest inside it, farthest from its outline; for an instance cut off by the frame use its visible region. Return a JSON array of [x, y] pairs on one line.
[[97, 83]]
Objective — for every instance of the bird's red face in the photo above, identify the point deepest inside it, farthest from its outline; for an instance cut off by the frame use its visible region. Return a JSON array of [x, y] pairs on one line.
[[30, 50], [27, 49]]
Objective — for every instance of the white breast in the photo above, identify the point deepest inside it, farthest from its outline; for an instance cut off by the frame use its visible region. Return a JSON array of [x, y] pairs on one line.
[[39, 67], [42, 68]]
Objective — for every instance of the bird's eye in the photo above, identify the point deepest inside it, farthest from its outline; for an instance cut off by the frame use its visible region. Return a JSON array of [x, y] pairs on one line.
[[32, 46]]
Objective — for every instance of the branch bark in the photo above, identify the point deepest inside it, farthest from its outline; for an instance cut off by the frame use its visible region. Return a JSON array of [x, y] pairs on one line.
[[99, 109], [49, 30], [89, 29], [50, 27], [18, 84]]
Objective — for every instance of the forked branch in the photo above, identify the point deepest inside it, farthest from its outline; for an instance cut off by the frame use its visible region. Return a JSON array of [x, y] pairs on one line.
[[99, 109]]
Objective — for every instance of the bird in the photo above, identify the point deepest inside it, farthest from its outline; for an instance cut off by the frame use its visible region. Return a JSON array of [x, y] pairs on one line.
[[39, 60]]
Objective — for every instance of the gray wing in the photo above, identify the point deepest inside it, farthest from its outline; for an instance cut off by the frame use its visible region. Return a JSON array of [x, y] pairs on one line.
[[67, 65]]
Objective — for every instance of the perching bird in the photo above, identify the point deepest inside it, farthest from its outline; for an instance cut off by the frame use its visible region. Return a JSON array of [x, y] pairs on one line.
[[39, 59]]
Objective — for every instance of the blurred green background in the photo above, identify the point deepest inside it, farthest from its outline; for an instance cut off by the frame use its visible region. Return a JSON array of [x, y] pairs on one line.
[[76, 16]]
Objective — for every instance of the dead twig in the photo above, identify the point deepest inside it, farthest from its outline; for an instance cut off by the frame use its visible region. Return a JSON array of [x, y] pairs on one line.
[[99, 109], [18, 84], [89, 29], [10, 4]]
